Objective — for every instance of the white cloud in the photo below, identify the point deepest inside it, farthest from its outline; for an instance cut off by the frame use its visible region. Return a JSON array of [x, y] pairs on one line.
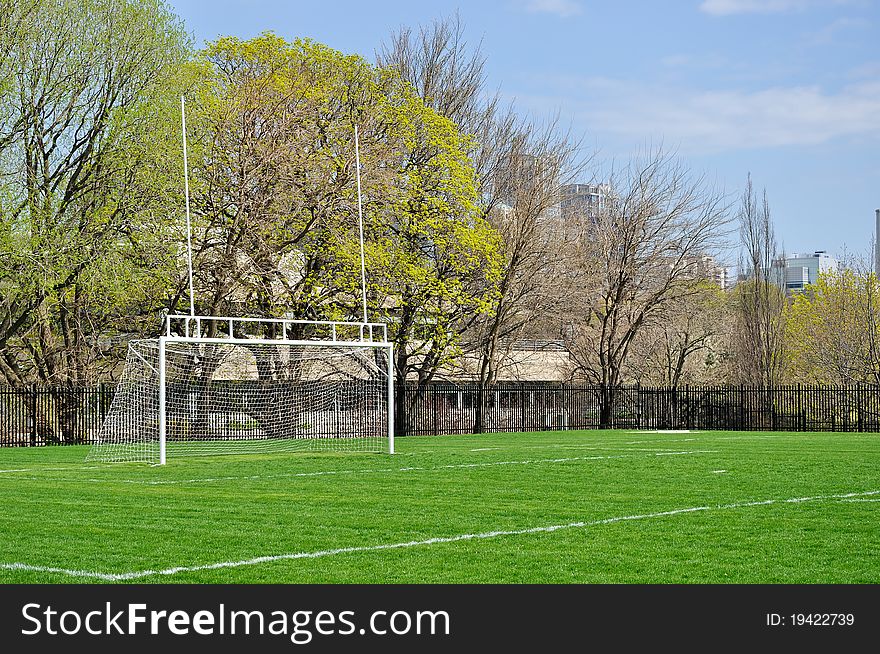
[[561, 8], [731, 7], [713, 121]]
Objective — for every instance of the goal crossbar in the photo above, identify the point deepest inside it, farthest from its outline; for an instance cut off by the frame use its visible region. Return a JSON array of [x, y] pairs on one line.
[[187, 326]]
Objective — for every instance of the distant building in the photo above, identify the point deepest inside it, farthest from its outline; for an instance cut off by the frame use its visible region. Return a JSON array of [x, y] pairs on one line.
[[520, 176], [714, 272], [877, 242], [796, 271], [582, 200]]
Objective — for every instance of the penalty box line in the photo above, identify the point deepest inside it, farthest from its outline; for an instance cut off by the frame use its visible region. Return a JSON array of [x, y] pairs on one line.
[[439, 540]]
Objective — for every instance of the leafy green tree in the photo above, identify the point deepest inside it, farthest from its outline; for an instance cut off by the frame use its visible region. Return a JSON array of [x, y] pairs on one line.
[[275, 200], [74, 76], [832, 330]]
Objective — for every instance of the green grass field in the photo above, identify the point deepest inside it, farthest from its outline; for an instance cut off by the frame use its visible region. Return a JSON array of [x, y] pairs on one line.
[[559, 507]]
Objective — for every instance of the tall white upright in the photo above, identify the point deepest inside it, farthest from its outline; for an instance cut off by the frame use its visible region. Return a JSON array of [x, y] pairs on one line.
[[391, 406], [357, 163], [162, 421], [189, 260]]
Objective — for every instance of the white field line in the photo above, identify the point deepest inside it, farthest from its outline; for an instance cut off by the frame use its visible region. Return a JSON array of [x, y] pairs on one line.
[[615, 448], [51, 469], [859, 499], [140, 574], [663, 431], [757, 436], [610, 446], [322, 473], [601, 445], [661, 442]]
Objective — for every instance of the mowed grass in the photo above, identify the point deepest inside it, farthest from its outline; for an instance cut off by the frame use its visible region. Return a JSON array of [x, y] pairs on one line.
[[57, 512]]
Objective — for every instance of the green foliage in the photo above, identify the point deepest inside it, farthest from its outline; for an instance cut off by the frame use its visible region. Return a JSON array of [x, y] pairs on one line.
[[275, 199], [78, 77], [94, 242], [832, 330]]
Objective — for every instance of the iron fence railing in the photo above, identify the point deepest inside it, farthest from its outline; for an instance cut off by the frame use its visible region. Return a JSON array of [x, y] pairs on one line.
[[47, 415]]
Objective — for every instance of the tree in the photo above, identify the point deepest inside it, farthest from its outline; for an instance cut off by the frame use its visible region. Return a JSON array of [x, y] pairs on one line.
[[641, 253], [533, 286], [685, 347], [75, 75], [520, 167], [758, 344], [274, 198], [832, 330], [444, 261], [272, 126]]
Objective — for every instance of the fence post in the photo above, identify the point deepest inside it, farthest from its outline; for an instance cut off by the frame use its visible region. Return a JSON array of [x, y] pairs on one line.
[[102, 402], [799, 414], [33, 399], [638, 404], [860, 407], [687, 401], [772, 393]]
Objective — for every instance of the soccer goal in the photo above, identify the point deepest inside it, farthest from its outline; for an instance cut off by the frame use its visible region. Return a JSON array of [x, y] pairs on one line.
[[215, 385]]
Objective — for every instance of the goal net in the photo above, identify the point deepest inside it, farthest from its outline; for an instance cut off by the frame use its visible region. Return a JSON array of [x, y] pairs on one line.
[[191, 396]]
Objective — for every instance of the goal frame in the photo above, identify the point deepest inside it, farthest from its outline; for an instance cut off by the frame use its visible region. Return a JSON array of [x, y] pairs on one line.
[[370, 336]]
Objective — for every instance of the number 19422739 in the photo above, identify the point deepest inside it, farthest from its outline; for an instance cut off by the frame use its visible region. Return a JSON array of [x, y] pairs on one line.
[[810, 620]]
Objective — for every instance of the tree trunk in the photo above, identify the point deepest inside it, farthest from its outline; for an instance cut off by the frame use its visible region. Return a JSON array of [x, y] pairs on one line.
[[401, 408], [606, 407]]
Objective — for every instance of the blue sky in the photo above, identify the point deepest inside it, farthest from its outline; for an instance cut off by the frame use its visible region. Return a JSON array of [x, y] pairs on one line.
[[787, 90]]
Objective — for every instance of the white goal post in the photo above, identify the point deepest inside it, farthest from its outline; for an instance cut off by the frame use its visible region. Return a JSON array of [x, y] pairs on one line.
[[223, 385]]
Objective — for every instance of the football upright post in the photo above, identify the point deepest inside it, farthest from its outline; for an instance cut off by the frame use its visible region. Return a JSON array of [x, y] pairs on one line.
[[163, 425], [391, 406]]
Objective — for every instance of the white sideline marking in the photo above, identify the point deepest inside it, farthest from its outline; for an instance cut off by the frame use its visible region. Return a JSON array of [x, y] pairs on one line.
[[661, 442], [609, 446], [569, 447], [485, 449], [322, 473], [140, 574], [859, 500], [52, 469], [663, 431], [718, 472]]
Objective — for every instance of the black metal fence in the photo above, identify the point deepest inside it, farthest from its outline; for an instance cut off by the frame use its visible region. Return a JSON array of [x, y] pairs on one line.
[[453, 409], [52, 415], [35, 415]]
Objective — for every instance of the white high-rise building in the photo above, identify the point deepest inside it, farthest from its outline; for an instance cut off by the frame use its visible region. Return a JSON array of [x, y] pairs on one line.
[[877, 242], [582, 200], [714, 272], [797, 271]]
